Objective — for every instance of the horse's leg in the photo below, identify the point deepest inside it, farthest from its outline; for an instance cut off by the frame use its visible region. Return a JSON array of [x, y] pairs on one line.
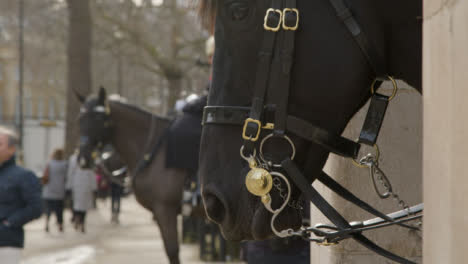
[[166, 217]]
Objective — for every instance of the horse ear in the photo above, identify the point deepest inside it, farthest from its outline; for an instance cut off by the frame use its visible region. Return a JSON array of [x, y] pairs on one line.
[[102, 96], [80, 97]]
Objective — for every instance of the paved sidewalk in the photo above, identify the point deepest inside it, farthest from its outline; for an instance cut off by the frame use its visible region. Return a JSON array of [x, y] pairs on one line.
[[135, 240]]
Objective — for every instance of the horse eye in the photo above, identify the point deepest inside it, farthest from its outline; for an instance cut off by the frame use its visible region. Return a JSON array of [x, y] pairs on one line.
[[238, 11]]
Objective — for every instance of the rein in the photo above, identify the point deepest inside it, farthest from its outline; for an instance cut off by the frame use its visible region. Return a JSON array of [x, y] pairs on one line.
[[272, 81], [111, 175], [148, 156]]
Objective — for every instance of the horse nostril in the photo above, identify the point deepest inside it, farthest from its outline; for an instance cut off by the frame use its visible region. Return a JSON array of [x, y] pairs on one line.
[[214, 208]]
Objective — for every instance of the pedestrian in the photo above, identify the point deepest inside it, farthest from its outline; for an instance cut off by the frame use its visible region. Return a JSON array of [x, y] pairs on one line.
[[54, 187], [83, 186], [116, 193], [102, 183], [20, 199], [71, 171]]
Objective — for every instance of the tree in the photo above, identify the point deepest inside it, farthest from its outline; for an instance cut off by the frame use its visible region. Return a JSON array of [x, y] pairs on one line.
[[79, 65], [163, 39]]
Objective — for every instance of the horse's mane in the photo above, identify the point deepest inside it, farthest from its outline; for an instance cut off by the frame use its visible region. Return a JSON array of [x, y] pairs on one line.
[[207, 12], [139, 110]]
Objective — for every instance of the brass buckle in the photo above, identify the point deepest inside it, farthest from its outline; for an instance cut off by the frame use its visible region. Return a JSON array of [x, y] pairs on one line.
[[255, 121], [325, 243], [292, 10], [265, 24], [269, 126]]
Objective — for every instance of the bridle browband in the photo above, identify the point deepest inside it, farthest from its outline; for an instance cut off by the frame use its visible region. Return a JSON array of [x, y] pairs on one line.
[[273, 74]]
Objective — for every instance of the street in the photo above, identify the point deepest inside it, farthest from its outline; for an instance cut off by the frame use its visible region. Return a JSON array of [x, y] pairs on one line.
[[136, 238]]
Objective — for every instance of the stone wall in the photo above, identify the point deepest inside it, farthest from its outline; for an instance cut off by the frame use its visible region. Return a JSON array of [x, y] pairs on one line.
[[400, 144], [445, 80]]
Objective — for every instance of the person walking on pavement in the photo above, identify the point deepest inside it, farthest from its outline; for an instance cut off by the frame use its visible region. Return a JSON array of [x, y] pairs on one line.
[[53, 191], [20, 199], [71, 171], [83, 185], [116, 193]]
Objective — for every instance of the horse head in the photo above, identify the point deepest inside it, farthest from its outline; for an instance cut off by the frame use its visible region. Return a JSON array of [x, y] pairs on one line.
[[95, 128], [328, 80]]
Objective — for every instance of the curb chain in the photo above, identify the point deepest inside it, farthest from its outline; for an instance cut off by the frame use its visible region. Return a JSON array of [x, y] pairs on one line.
[[295, 204], [374, 170]]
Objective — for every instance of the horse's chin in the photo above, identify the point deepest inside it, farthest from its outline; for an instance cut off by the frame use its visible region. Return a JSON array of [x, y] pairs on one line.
[[235, 235], [260, 228], [261, 222]]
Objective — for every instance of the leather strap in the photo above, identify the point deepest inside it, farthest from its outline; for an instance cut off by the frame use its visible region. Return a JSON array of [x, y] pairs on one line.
[[226, 115], [336, 218], [148, 158], [374, 119], [334, 143], [350, 197], [262, 73], [373, 56], [280, 76]]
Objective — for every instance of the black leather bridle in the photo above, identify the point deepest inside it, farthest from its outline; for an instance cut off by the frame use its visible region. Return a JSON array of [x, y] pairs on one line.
[[101, 137], [273, 75]]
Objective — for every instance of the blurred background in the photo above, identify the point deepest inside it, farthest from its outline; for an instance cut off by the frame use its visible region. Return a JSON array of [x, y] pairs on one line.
[[152, 52]]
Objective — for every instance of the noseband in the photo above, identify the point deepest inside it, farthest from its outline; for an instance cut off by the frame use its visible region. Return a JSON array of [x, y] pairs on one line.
[[272, 81]]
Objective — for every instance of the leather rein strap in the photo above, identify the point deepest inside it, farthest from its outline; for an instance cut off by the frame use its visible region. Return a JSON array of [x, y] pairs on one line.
[[148, 157], [273, 82]]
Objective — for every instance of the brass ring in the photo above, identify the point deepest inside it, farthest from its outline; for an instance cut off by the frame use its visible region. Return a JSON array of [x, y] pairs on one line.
[[395, 87], [293, 147], [377, 156]]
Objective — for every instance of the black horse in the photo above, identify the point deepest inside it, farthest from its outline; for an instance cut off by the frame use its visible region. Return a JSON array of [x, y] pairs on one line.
[[140, 139], [332, 70]]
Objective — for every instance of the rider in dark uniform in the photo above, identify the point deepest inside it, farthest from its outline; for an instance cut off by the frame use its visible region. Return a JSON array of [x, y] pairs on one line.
[[184, 139]]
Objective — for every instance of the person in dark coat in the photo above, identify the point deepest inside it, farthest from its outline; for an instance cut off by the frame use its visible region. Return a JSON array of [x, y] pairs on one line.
[[20, 199], [116, 194]]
